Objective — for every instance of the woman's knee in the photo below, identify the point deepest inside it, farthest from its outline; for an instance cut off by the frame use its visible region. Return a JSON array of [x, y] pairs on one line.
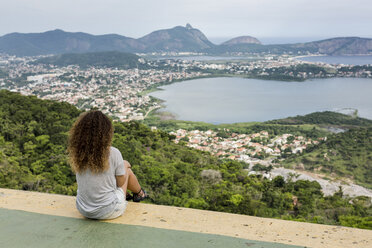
[[127, 164], [130, 172]]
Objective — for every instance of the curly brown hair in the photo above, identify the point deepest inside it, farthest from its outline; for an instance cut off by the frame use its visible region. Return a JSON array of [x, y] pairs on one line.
[[89, 142]]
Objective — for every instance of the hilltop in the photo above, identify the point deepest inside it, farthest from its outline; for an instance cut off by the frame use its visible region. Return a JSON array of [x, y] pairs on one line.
[[33, 136], [242, 40], [176, 39]]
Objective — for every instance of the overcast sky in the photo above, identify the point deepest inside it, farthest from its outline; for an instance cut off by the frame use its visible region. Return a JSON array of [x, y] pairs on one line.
[[215, 18]]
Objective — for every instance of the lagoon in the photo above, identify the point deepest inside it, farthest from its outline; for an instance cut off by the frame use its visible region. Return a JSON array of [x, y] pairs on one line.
[[231, 100]]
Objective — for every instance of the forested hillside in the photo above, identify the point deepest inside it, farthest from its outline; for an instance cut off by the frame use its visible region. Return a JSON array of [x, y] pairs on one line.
[[347, 155], [97, 59], [33, 139], [33, 136]]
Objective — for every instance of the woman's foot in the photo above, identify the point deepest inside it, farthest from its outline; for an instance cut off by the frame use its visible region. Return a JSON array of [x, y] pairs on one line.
[[129, 197], [141, 195]]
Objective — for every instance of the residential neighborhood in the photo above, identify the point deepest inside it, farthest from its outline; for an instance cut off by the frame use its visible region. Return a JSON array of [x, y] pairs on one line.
[[122, 93], [250, 148]]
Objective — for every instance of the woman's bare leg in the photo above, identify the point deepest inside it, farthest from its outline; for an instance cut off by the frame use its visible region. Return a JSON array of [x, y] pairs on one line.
[[125, 185], [131, 181], [133, 184]]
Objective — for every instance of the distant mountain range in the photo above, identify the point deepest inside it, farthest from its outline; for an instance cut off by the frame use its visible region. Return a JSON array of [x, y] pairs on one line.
[[177, 39]]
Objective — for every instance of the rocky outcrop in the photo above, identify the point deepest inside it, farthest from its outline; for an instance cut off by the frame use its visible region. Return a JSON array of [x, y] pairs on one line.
[[176, 39]]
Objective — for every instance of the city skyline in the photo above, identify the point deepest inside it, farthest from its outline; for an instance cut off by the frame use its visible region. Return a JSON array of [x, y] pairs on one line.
[[289, 20]]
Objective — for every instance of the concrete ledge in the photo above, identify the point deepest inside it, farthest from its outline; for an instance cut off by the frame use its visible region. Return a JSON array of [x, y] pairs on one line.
[[192, 220]]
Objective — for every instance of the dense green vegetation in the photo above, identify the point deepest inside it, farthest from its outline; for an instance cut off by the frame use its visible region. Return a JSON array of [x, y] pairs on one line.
[[33, 136], [324, 118], [97, 59], [33, 156], [347, 154], [343, 155]]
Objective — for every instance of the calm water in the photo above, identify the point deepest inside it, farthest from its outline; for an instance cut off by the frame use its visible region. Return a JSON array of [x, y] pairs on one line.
[[346, 60], [229, 100]]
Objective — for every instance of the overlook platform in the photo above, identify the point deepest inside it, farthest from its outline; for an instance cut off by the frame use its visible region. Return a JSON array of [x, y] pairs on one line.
[[31, 219]]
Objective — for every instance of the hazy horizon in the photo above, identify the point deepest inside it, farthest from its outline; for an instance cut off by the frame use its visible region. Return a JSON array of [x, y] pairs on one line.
[[257, 18]]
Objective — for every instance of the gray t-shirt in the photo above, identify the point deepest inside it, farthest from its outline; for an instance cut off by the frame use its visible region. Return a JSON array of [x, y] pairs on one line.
[[96, 192]]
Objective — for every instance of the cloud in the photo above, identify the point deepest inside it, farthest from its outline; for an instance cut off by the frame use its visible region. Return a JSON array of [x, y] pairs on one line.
[[215, 18]]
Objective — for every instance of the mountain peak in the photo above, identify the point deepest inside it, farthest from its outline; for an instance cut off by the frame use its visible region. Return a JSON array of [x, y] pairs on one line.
[[179, 38], [57, 30], [188, 26]]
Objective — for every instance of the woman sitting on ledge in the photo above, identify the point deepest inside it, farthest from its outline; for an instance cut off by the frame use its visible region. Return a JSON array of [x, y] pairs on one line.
[[102, 175]]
